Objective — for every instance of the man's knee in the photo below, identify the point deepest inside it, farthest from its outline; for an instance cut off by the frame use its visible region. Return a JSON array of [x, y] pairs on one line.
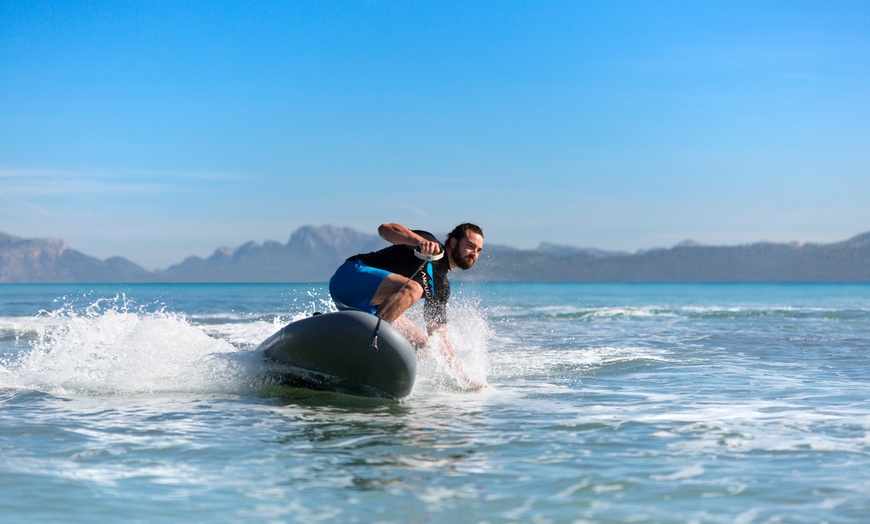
[[414, 291], [408, 295], [407, 292], [399, 301]]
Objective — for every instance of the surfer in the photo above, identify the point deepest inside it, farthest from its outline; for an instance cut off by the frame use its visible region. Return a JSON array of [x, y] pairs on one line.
[[388, 282]]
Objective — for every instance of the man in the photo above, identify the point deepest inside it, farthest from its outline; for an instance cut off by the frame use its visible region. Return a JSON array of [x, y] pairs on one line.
[[388, 282]]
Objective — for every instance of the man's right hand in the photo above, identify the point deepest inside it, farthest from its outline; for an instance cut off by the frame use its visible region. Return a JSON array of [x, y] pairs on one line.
[[429, 248]]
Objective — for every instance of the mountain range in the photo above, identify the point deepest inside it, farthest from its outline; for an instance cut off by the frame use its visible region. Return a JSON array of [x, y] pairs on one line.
[[312, 254]]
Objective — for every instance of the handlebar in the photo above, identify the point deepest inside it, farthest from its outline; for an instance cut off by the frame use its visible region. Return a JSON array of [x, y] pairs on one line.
[[428, 258]]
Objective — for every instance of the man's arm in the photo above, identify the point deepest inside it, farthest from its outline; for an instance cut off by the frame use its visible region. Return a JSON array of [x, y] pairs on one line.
[[440, 330], [400, 235]]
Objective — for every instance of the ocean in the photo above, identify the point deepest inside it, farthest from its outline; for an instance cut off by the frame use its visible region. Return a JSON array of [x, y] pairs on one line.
[[708, 403]]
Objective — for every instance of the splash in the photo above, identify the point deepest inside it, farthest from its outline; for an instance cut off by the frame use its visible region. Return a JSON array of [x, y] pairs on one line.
[[110, 346], [469, 335]]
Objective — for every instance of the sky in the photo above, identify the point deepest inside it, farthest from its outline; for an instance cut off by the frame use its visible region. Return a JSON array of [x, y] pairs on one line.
[[163, 129]]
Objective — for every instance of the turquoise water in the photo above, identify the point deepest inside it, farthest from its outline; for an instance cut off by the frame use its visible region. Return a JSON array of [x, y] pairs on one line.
[[608, 403]]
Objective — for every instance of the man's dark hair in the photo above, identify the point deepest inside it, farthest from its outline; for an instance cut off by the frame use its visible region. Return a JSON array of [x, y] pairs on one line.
[[461, 231]]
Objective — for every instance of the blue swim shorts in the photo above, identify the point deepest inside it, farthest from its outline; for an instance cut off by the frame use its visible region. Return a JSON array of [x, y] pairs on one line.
[[354, 285]]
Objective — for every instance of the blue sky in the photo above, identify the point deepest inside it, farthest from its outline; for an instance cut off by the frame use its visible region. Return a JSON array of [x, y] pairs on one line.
[[157, 130]]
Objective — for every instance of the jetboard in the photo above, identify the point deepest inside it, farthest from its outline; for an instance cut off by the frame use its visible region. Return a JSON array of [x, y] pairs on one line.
[[347, 351]]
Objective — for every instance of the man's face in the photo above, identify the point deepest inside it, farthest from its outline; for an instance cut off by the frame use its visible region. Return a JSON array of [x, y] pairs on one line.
[[465, 252]]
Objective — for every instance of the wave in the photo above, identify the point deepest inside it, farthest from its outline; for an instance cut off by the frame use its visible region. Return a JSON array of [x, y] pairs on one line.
[[109, 346], [617, 313], [112, 345]]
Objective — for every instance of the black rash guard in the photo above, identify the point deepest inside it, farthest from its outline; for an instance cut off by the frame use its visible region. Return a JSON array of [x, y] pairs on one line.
[[400, 259]]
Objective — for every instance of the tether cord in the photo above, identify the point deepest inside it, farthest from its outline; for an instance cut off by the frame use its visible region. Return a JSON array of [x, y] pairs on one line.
[[374, 343]]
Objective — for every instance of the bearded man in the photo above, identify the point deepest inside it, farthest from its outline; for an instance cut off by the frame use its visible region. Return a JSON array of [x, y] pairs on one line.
[[388, 282]]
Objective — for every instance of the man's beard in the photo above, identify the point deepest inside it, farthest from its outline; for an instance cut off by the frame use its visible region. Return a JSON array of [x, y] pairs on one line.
[[462, 263]]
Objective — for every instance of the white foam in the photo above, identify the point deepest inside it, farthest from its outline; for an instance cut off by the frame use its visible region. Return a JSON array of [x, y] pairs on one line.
[[573, 312], [469, 335], [111, 348], [245, 335]]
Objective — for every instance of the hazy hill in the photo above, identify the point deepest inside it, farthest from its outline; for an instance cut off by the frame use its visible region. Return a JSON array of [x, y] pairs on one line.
[[312, 254], [50, 260], [686, 262]]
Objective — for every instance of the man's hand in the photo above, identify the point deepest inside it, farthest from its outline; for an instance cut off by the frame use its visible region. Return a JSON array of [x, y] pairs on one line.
[[429, 248]]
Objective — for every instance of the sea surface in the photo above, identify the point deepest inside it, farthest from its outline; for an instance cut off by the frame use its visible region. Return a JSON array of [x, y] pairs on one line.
[[719, 403]]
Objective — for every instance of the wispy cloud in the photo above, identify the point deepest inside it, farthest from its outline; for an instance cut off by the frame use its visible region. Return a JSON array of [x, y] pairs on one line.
[[52, 182], [416, 210], [13, 206]]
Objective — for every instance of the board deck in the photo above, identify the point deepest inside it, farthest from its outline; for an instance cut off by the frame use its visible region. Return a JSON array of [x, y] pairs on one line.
[[334, 351]]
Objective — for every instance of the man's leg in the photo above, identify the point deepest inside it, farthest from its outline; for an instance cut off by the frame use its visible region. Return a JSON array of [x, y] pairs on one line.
[[355, 286], [413, 333], [394, 296]]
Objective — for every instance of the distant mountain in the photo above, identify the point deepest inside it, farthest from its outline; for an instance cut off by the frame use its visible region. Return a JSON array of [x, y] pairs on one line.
[[686, 262], [312, 254], [50, 260], [557, 249]]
